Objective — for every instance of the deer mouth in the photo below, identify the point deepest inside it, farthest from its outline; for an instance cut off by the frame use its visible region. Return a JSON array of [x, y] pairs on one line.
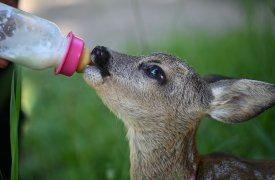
[[95, 73]]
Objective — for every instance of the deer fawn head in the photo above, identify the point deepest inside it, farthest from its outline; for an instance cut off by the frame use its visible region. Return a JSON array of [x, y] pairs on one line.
[[161, 100]]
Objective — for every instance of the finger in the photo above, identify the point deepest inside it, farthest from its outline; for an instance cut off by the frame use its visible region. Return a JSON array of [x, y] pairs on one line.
[[3, 63]]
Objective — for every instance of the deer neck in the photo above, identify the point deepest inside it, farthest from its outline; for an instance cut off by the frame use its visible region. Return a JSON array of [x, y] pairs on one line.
[[163, 153]]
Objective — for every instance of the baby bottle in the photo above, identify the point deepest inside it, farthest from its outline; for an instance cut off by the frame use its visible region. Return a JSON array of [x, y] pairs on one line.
[[37, 43]]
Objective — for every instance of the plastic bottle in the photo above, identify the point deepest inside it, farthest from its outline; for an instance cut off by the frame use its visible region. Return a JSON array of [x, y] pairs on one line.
[[39, 44]]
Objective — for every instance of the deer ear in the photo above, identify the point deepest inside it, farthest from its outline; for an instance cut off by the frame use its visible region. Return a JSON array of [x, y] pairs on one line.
[[239, 100]]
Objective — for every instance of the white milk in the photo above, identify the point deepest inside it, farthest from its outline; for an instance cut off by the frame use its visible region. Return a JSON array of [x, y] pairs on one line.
[[29, 40]]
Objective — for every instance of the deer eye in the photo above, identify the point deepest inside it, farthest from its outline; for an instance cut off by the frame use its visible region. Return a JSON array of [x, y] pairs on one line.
[[155, 72]]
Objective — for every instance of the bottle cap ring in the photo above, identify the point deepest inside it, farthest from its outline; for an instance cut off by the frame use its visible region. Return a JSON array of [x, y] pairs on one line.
[[72, 56]]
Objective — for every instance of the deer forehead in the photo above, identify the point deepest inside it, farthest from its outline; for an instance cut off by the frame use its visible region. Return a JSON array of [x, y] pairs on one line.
[[125, 62]]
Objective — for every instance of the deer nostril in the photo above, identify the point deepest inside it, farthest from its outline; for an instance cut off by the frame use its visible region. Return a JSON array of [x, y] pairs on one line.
[[100, 56]]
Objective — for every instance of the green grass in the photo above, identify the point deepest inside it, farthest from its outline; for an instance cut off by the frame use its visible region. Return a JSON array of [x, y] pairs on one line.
[[70, 134], [15, 104]]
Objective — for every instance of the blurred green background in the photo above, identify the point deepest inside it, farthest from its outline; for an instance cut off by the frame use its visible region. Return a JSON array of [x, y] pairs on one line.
[[69, 134]]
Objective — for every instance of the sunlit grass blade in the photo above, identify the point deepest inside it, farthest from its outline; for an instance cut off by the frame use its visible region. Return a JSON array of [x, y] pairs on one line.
[[15, 104]]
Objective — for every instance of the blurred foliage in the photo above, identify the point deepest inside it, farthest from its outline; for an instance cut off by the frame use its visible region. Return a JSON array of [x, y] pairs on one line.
[[70, 134]]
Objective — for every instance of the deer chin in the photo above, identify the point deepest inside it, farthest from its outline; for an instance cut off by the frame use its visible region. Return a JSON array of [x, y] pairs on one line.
[[93, 76]]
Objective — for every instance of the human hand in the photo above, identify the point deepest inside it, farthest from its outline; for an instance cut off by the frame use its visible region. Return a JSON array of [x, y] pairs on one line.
[[3, 63]]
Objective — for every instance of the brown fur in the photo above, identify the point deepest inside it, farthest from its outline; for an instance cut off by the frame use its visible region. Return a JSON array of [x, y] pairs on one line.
[[162, 118]]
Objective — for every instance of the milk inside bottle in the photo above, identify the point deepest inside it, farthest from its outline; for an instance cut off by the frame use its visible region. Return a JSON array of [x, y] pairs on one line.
[[38, 43]]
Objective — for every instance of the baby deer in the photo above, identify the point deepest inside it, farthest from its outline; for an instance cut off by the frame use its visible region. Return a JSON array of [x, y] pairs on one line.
[[161, 100]]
